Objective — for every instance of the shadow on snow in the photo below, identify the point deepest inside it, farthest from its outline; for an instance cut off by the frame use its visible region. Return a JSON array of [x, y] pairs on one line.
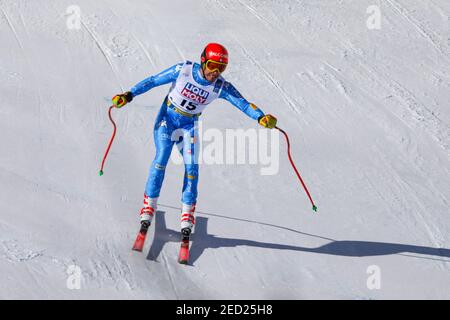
[[201, 240]]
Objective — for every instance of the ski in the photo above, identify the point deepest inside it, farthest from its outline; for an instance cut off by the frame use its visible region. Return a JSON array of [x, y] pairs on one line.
[[140, 239], [183, 256]]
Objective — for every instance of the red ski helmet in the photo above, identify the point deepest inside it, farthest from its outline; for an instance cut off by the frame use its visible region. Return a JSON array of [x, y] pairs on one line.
[[214, 57]]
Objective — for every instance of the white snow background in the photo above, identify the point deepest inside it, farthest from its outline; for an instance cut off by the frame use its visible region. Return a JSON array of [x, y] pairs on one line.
[[367, 112]]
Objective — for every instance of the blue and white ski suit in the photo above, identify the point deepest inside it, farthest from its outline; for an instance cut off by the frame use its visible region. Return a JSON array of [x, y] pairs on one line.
[[176, 122]]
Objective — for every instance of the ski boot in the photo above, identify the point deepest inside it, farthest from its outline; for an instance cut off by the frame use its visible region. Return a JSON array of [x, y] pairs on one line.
[[147, 213], [187, 223]]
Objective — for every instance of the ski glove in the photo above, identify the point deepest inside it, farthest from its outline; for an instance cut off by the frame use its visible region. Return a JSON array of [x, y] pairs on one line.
[[120, 100], [267, 121]]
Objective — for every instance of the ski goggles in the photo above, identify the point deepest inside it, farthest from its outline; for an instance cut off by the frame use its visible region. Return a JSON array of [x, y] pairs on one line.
[[215, 66]]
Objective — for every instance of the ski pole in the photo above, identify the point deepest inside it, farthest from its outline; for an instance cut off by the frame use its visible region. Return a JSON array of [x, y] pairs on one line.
[[110, 140], [295, 169]]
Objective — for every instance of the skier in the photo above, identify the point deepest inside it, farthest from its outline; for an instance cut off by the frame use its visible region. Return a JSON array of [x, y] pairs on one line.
[[194, 86]]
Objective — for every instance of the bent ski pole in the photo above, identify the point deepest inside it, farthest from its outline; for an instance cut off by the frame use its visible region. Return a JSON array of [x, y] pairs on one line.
[[110, 141], [295, 169]]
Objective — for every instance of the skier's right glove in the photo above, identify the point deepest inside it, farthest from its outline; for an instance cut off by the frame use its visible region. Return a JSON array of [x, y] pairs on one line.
[[267, 121], [122, 99]]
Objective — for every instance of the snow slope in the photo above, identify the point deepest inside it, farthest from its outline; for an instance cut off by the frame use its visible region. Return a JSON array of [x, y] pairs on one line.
[[367, 112]]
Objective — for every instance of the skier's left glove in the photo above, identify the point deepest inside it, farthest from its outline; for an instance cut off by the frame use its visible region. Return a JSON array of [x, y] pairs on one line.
[[267, 121], [120, 100]]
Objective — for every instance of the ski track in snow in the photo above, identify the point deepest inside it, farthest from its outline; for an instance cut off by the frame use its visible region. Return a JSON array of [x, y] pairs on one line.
[[13, 31], [264, 21], [139, 42], [290, 101], [427, 34], [112, 267], [285, 96], [432, 124], [169, 275], [434, 233], [167, 35], [31, 67], [422, 115], [99, 46], [13, 252], [145, 51]]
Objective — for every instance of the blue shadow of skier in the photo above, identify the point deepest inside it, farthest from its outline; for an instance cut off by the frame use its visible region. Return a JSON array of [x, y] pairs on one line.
[[201, 240], [162, 236]]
